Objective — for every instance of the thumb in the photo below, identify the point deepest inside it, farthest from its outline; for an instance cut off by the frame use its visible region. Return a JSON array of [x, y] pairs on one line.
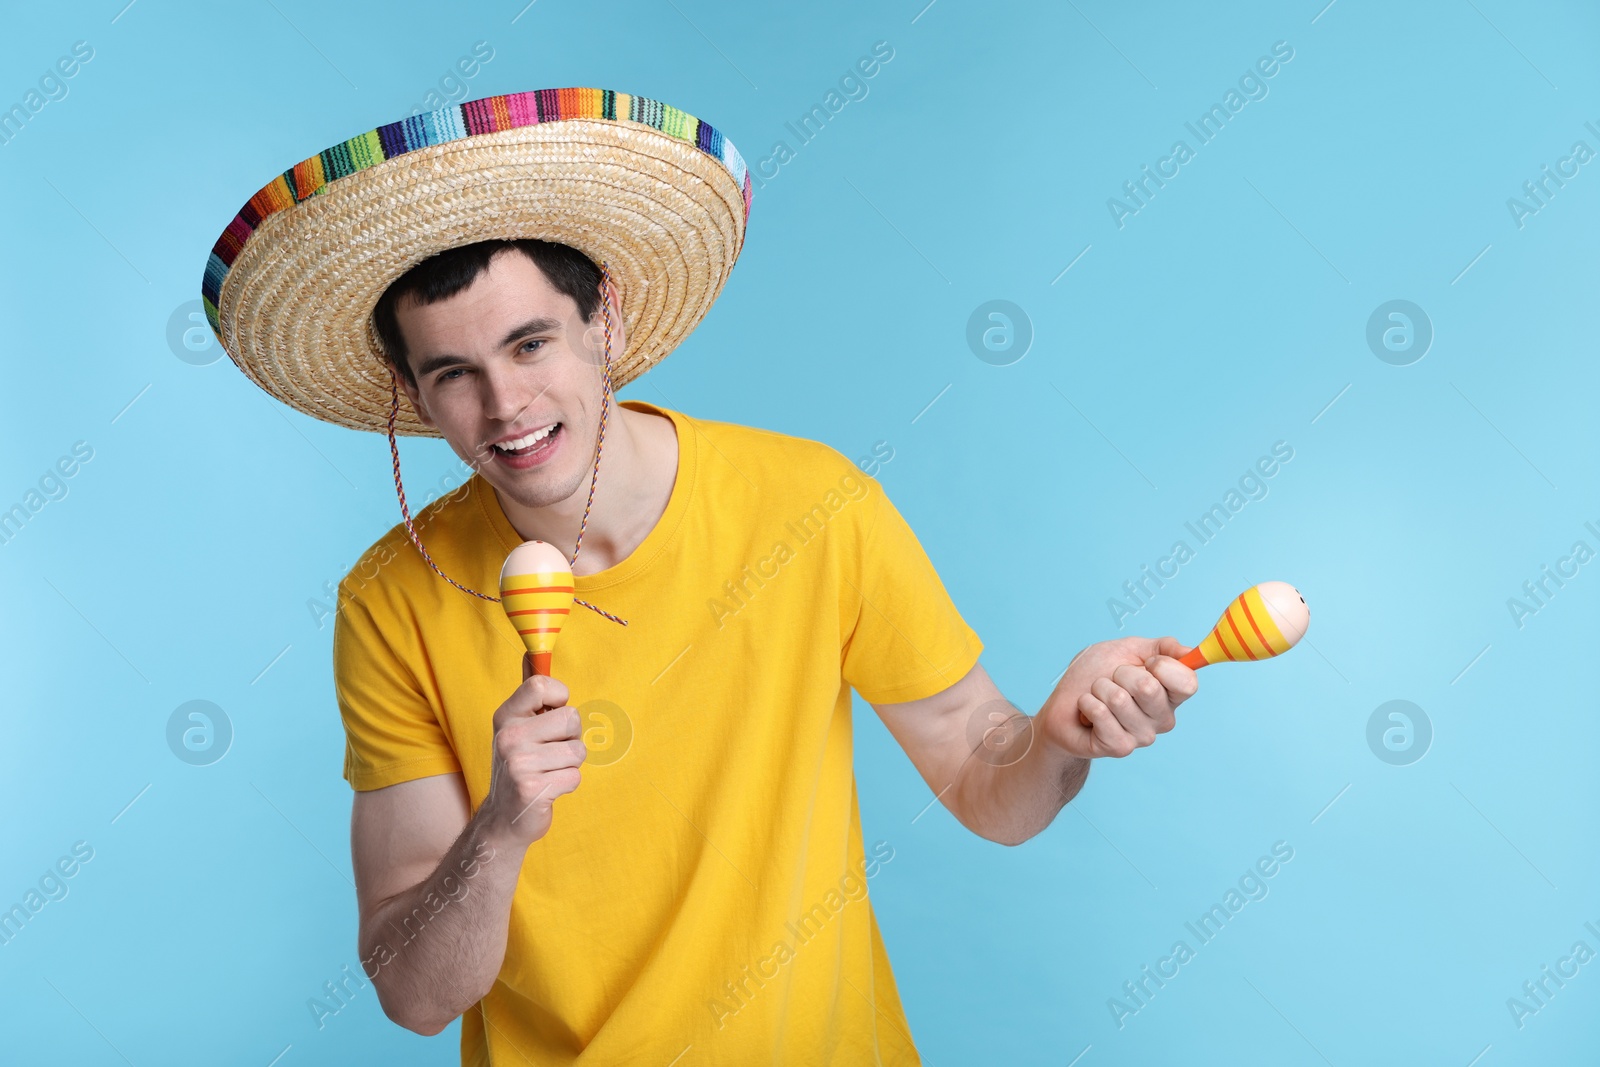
[[1170, 646]]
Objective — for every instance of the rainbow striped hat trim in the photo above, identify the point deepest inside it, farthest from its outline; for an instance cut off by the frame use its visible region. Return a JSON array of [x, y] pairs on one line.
[[613, 174]]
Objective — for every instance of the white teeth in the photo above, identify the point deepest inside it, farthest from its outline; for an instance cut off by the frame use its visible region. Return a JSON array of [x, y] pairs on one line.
[[524, 442]]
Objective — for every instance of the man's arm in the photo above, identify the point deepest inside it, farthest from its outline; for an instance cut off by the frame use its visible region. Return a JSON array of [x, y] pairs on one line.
[[1006, 775], [412, 845], [434, 886]]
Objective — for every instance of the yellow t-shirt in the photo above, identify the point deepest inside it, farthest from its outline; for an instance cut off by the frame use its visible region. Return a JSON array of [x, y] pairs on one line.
[[702, 896]]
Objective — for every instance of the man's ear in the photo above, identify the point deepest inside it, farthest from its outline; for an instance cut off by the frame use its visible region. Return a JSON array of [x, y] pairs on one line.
[[618, 337], [594, 337], [415, 397]]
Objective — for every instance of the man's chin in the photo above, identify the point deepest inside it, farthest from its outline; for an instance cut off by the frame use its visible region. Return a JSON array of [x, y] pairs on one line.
[[536, 488]]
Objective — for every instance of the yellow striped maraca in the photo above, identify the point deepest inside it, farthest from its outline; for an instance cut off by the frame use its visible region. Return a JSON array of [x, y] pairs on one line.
[[1265, 620], [536, 592]]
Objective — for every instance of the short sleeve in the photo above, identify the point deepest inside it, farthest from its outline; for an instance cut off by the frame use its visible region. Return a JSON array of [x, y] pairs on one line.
[[908, 641], [392, 733]]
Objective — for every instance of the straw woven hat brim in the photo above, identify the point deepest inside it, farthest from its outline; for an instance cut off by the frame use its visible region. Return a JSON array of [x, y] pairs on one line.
[[657, 195]]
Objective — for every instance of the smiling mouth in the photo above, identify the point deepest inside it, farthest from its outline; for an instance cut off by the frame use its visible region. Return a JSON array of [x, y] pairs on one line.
[[528, 444]]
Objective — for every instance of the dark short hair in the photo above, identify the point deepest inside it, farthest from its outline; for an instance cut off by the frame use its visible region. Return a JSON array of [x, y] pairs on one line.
[[447, 273]]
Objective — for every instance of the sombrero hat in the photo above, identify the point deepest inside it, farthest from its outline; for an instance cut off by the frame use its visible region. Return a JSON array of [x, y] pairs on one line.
[[653, 193]]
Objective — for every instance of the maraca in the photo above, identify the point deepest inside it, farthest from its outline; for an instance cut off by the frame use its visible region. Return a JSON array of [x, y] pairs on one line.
[[1265, 620], [536, 592]]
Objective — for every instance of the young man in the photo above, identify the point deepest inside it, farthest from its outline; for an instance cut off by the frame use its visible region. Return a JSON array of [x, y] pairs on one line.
[[700, 894]]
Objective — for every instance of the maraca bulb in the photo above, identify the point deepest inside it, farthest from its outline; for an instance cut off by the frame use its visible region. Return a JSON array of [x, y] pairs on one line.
[[536, 592], [1265, 620]]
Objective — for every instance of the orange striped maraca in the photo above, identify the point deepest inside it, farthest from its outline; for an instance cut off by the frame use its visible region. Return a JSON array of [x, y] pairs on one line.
[[536, 592], [1265, 620]]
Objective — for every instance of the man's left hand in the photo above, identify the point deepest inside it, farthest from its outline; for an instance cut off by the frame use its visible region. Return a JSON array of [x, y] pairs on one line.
[[1128, 689]]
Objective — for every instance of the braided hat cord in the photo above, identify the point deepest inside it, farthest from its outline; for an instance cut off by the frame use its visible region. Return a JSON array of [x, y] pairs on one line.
[[605, 405]]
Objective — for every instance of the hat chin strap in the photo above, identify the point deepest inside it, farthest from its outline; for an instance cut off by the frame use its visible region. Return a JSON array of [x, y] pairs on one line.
[[605, 406]]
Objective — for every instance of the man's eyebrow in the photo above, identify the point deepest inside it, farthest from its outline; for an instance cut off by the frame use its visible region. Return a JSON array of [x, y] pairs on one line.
[[538, 324], [433, 363]]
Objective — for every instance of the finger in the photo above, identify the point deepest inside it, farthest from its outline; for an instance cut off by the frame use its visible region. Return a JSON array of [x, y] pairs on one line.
[[1135, 723], [555, 724], [534, 695], [1180, 682], [552, 691], [1108, 732], [546, 756], [523, 703], [564, 781], [1148, 693]]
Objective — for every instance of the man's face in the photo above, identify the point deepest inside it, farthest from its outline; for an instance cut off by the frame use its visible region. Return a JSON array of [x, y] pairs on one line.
[[500, 363]]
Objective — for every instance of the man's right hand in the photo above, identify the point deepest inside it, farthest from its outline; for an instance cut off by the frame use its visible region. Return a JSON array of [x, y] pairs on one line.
[[537, 752]]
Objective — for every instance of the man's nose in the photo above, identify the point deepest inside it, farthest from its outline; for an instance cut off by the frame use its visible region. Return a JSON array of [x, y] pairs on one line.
[[504, 394]]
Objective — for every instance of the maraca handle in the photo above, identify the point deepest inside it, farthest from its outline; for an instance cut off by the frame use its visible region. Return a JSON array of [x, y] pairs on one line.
[[532, 664]]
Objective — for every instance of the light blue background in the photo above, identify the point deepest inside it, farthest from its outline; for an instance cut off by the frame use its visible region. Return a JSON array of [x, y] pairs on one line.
[[1223, 317]]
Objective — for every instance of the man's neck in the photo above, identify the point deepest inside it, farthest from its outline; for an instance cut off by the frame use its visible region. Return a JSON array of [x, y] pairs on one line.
[[638, 468]]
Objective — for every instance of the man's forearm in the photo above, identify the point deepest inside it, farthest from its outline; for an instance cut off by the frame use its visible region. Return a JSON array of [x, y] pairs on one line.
[[434, 950], [1009, 799]]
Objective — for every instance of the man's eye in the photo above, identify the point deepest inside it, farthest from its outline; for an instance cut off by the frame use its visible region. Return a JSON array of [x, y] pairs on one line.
[[526, 344], [450, 374]]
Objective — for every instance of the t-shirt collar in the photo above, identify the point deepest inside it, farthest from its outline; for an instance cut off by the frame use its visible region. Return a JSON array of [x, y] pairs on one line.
[[655, 541]]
